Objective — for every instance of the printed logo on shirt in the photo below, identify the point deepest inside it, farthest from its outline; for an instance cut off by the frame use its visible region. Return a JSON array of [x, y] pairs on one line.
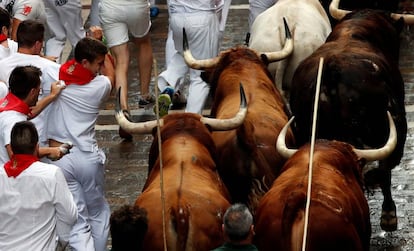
[[70, 69], [9, 6], [60, 2], [26, 9], [5, 102]]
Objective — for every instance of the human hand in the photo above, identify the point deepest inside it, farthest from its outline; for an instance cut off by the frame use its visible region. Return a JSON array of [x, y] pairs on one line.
[[95, 32]]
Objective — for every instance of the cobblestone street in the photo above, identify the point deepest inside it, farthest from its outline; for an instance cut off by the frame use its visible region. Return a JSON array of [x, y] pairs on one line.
[[126, 167]]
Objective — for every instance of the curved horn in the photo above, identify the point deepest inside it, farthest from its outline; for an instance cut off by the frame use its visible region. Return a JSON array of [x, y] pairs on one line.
[[231, 123], [281, 143], [131, 127], [335, 12], [381, 153], [285, 52], [201, 64], [408, 18]]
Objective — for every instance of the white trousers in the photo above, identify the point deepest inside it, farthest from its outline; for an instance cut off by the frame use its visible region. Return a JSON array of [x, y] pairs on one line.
[[202, 30], [65, 22], [84, 173], [258, 6]]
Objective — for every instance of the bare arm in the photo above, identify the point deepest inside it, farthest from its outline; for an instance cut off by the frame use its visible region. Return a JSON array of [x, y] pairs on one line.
[[41, 104], [15, 24]]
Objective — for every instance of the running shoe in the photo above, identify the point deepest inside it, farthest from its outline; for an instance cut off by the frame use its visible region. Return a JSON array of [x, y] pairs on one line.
[[146, 101], [154, 11], [164, 103]]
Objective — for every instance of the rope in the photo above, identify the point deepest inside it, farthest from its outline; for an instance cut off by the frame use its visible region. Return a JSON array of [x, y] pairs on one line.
[[157, 113], [315, 111]]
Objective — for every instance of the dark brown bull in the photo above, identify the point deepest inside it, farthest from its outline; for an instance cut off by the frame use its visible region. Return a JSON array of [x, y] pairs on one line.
[[360, 82], [339, 216], [247, 159], [386, 5], [194, 195]]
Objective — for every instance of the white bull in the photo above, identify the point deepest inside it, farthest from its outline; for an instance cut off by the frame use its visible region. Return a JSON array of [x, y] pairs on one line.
[[309, 24]]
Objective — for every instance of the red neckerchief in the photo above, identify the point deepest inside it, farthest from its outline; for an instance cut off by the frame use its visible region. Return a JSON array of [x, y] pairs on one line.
[[18, 163], [3, 38], [74, 73], [11, 102]]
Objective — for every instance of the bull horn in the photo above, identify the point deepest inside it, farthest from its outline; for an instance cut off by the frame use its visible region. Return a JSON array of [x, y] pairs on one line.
[[131, 127], [231, 123], [285, 52], [335, 12], [408, 18], [281, 143], [387, 149], [193, 63]]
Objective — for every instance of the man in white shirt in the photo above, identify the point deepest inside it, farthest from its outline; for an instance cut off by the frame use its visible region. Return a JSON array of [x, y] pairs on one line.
[[201, 20], [21, 104], [64, 19], [119, 19], [30, 41], [7, 45], [74, 115], [21, 10], [36, 204]]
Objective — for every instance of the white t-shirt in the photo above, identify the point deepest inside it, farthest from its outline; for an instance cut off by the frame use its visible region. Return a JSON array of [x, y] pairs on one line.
[[7, 121], [73, 115], [35, 207], [48, 67], [25, 9], [7, 51]]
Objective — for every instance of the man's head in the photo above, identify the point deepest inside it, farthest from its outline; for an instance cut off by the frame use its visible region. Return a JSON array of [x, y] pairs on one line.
[[90, 53], [30, 34], [24, 138], [5, 21], [24, 83], [237, 222]]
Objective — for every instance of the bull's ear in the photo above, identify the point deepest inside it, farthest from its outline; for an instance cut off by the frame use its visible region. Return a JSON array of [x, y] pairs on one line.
[[399, 25], [205, 76]]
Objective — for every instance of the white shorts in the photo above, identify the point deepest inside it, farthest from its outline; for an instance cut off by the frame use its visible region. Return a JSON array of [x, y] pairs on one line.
[[118, 20]]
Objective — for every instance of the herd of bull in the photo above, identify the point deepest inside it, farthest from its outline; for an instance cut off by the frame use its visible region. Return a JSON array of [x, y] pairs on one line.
[[254, 148]]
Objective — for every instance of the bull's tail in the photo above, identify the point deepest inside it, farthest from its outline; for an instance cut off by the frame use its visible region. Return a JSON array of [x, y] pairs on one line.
[[181, 223], [293, 221], [129, 225]]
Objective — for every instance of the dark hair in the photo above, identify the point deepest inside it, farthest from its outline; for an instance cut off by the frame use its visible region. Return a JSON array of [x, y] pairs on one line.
[[237, 221], [4, 18], [28, 32], [89, 48], [24, 78], [129, 225], [24, 138]]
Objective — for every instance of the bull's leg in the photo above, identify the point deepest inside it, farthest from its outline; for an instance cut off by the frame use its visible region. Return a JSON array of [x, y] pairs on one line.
[[382, 176], [389, 219]]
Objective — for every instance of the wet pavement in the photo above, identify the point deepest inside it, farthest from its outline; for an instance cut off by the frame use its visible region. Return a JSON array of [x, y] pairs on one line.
[[127, 162]]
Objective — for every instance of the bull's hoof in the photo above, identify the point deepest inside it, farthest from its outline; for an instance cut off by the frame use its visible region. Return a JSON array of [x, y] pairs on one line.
[[389, 221]]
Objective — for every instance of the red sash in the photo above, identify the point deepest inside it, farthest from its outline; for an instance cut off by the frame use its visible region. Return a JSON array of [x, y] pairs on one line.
[[73, 72], [11, 102], [3, 38], [18, 163]]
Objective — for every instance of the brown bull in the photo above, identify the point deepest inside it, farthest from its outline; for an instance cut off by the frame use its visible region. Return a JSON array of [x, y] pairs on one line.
[[339, 214], [195, 197], [247, 159]]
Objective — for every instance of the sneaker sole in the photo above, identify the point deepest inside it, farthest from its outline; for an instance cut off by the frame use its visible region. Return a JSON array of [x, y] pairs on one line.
[[164, 103]]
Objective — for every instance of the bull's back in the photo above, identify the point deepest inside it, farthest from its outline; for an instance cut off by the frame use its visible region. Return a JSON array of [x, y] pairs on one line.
[[309, 25], [194, 205], [248, 153], [338, 220]]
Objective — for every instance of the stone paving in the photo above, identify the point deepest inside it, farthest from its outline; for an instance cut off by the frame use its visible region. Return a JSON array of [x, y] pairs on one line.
[[127, 161]]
